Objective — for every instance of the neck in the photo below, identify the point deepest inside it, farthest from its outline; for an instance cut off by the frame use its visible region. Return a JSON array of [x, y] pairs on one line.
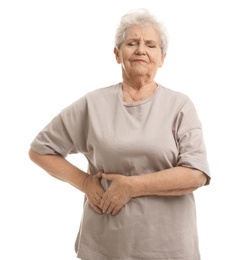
[[134, 93]]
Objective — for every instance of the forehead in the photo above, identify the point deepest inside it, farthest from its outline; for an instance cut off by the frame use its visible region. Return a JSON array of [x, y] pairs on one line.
[[147, 32]]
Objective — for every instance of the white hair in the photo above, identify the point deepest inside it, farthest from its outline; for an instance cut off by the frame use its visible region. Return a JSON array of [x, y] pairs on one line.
[[140, 17]]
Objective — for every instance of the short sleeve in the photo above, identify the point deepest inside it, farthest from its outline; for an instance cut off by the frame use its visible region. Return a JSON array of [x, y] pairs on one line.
[[190, 141], [66, 133], [53, 139]]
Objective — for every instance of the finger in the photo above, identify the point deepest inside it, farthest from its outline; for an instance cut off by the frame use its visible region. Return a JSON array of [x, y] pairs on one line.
[[110, 208], [99, 175], [116, 210], [102, 202], [95, 208], [100, 191], [104, 205], [107, 177], [94, 198]]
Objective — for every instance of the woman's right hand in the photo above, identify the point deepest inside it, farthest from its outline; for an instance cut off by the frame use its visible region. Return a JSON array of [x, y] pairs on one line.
[[94, 191]]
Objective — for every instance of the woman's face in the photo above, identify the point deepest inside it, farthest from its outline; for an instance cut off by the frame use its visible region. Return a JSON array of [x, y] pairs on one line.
[[140, 54]]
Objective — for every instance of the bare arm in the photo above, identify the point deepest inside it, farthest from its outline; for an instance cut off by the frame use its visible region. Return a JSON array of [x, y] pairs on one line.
[[171, 182], [60, 168]]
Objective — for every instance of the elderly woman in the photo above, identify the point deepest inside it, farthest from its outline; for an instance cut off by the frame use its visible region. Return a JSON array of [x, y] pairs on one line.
[[145, 152]]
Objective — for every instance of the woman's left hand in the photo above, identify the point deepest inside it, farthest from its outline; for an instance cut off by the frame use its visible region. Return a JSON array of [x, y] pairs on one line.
[[117, 195]]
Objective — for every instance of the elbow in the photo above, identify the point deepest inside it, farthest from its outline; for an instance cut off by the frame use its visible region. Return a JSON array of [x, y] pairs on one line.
[[33, 156], [196, 178], [201, 179]]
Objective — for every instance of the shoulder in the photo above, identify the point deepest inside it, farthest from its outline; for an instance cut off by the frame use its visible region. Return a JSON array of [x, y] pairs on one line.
[[92, 98], [102, 92], [173, 98], [173, 94]]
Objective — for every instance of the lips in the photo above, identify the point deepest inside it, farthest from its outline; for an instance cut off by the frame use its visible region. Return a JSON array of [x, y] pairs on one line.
[[139, 60]]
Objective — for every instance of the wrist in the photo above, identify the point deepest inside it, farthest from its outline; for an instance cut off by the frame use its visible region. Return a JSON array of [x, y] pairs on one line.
[[136, 186], [85, 183]]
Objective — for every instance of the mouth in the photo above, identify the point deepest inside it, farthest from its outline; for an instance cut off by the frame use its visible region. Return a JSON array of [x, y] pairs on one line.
[[139, 61]]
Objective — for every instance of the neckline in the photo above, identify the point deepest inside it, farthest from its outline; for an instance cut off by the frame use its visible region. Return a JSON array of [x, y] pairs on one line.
[[138, 103]]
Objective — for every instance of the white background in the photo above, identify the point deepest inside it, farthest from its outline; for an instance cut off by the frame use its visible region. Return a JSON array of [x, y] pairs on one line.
[[53, 52]]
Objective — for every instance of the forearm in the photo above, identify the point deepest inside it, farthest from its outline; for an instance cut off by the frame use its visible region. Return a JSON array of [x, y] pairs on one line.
[[60, 168], [171, 182]]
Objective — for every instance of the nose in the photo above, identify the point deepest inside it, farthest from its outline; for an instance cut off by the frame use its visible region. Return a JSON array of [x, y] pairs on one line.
[[140, 50]]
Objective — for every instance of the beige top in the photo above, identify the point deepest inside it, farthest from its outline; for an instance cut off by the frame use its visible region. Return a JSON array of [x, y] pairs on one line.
[[160, 132]]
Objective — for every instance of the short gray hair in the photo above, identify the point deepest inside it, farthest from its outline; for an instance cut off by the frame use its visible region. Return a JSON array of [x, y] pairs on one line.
[[140, 17]]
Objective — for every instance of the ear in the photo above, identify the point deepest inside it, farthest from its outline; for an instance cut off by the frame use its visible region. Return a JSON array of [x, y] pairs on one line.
[[162, 60], [117, 56]]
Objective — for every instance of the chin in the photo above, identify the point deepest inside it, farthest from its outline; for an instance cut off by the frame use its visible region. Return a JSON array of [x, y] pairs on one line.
[[140, 72]]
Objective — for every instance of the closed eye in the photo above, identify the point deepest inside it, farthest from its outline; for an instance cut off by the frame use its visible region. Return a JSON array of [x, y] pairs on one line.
[[151, 44], [132, 43]]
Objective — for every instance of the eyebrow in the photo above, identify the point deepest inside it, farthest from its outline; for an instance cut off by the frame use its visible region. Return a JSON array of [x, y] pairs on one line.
[[138, 39]]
